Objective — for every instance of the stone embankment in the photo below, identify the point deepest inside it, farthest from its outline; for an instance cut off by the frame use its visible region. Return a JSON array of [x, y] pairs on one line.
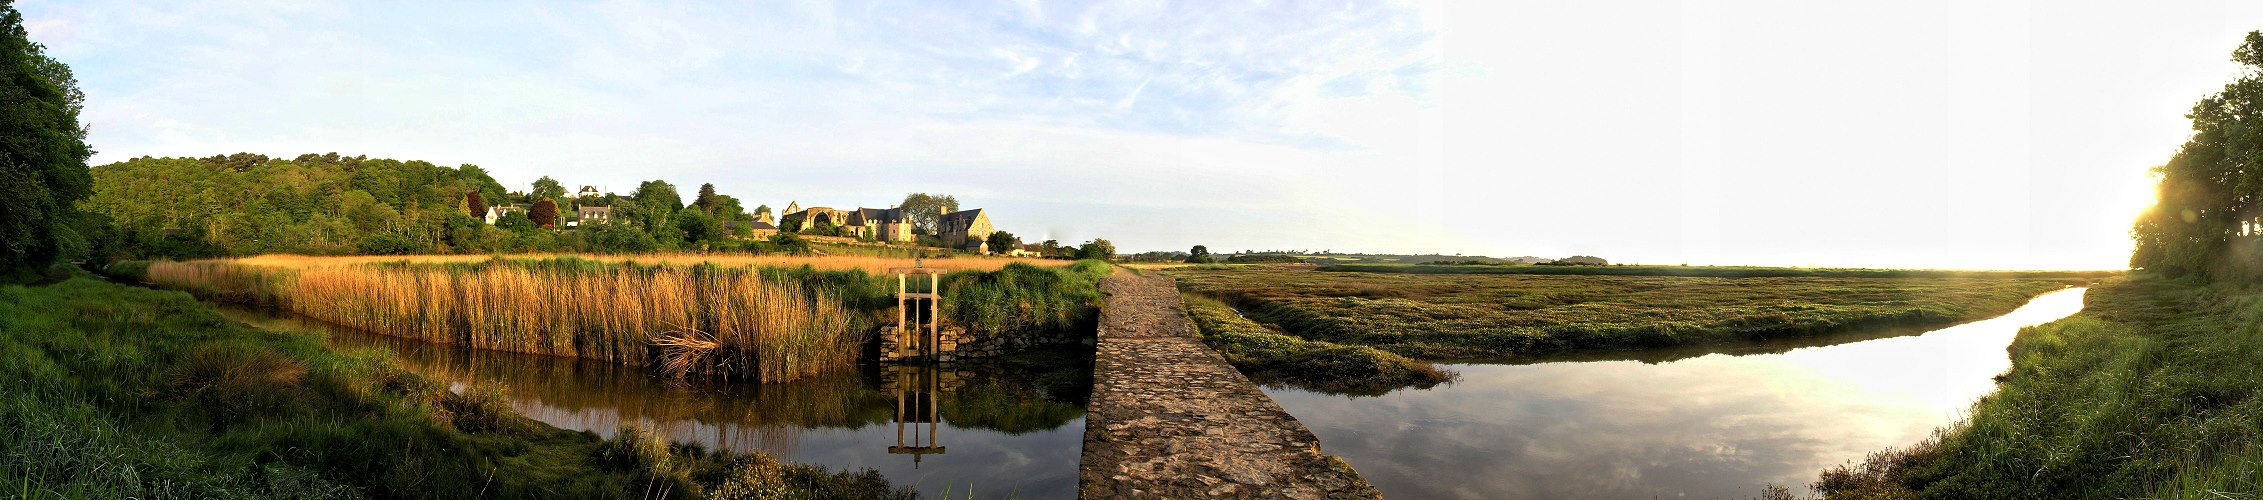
[[1170, 419]]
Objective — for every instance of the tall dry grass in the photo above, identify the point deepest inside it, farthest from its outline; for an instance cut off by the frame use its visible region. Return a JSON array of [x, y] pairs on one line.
[[867, 263], [760, 328]]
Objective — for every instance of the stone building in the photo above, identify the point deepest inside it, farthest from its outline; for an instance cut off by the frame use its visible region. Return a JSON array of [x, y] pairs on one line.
[[881, 224], [961, 229], [592, 215]]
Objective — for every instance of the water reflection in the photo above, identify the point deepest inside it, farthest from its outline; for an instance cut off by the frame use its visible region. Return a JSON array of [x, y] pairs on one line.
[[1016, 425], [1713, 425]]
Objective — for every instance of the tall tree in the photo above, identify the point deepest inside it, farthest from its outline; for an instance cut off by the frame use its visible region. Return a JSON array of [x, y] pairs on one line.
[[547, 188], [476, 203], [923, 210], [43, 164], [1097, 249], [1002, 242], [658, 194], [544, 213], [706, 200], [1199, 255]]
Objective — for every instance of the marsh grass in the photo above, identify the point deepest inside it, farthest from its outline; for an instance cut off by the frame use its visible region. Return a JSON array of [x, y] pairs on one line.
[[2149, 392], [1272, 357], [753, 326], [1495, 317]]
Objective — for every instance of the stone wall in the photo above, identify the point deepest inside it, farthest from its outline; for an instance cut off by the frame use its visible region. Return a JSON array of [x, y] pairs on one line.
[[955, 342]]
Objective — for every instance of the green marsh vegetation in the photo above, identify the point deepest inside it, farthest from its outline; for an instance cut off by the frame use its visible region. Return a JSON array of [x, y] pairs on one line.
[[121, 391], [1434, 316], [1269, 356]]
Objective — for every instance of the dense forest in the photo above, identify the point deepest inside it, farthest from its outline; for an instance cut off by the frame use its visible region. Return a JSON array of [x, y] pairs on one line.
[[245, 204], [2208, 218]]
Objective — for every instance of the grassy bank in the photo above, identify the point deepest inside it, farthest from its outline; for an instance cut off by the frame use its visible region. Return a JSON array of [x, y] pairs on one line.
[[1705, 271], [115, 391], [1433, 316], [772, 324], [2149, 392], [1272, 357]]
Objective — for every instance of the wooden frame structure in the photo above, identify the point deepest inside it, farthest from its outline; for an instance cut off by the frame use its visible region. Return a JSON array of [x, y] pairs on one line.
[[918, 314]]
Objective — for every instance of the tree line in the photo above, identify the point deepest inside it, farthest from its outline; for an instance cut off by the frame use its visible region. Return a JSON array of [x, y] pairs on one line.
[[2208, 216]]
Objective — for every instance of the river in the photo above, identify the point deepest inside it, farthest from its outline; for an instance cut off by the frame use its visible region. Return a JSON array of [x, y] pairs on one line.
[[1685, 423]]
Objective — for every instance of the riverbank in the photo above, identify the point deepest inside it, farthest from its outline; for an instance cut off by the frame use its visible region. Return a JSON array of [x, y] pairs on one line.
[[2149, 392], [122, 391], [1274, 358]]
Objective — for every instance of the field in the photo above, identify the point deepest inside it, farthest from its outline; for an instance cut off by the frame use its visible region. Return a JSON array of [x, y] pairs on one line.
[[768, 319], [2150, 392], [115, 391], [1274, 358], [1507, 316]]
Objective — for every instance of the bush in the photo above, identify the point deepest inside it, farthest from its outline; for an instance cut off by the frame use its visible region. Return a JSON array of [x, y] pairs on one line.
[[389, 244]]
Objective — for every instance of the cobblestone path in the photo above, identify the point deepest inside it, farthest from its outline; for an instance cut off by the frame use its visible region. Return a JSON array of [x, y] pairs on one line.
[[1170, 419]]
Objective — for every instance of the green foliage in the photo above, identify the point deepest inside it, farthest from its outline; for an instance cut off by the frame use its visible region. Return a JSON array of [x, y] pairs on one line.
[[1002, 242], [789, 242], [2149, 392], [516, 221], [43, 166], [390, 244], [1433, 316], [1098, 249], [1026, 298], [697, 227], [1262, 258], [314, 204], [925, 210], [617, 237], [546, 188], [1272, 357], [2208, 217], [1199, 255]]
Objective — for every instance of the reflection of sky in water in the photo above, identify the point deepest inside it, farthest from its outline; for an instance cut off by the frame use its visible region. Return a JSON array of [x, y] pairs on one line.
[[1704, 427], [843, 421], [1041, 464]]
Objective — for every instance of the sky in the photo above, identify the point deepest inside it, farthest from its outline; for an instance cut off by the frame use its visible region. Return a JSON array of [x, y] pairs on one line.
[[1935, 134]]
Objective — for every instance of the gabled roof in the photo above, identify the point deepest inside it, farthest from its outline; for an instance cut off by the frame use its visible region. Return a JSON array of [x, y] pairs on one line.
[[762, 225], [869, 216], [960, 219]]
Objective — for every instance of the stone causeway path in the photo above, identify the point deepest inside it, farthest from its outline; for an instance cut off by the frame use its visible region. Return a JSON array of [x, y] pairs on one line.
[[1169, 418]]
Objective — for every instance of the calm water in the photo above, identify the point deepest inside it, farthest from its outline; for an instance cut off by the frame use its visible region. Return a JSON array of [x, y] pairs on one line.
[[1012, 428], [1668, 424]]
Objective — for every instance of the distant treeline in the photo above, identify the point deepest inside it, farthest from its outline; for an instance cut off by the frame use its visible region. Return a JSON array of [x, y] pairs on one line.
[[1707, 272], [247, 204]]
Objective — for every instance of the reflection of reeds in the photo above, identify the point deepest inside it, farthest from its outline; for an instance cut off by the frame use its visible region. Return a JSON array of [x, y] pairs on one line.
[[768, 329]]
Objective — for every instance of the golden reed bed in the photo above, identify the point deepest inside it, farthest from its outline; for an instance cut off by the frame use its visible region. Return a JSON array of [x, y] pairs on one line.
[[749, 326], [870, 264]]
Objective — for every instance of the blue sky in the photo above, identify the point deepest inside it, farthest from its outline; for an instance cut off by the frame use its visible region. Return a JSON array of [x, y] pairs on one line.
[[1925, 134]]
